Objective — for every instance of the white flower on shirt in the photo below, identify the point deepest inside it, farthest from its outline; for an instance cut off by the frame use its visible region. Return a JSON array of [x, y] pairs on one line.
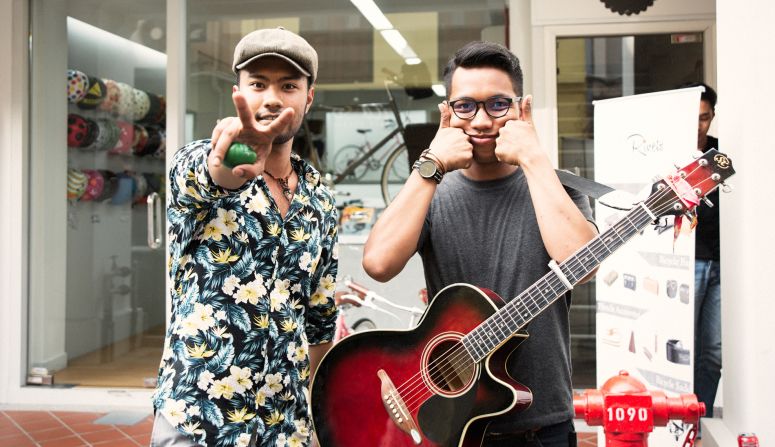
[[227, 220], [251, 292], [258, 203], [241, 378], [230, 284], [279, 295], [243, 440], [296, 354], [221, 388], [174, 411], [205, 379], [305, 261], [327, 285], [273, 384], [203, 314]]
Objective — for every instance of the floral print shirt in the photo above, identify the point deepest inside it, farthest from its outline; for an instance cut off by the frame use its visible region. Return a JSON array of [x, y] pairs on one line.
[[251, 291]]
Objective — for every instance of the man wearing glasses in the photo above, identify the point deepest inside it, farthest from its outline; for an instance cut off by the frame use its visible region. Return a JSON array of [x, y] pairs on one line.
[[485, 207]]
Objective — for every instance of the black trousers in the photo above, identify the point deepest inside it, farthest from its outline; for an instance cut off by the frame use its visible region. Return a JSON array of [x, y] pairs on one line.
[[557, 435]]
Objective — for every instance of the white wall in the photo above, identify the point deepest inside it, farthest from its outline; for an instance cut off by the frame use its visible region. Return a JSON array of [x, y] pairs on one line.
[[564, 12], [13, 256], [745, 67]]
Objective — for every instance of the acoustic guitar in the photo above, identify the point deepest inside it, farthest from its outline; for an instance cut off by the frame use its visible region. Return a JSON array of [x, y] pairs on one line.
[[443, 382]]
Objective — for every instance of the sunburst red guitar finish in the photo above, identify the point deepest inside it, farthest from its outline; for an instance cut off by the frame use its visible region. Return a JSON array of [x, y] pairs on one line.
[[446, 398]]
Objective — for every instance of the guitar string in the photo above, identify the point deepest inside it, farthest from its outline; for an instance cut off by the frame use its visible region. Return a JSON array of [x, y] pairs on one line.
[[592, 244], [461, 354], [411, 400]]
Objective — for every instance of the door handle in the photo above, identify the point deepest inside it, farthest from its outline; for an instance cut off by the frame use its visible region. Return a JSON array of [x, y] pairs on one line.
[[154, 220]]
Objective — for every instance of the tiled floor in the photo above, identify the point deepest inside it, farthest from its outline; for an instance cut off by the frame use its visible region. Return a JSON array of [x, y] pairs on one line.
[[68, 429], [71, 429]]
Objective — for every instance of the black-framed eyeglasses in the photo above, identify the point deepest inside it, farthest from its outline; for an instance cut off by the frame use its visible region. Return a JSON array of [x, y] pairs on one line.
[[495, 107]]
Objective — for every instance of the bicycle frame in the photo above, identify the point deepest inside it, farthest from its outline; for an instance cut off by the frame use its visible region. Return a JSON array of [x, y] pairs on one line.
[[399, 129]]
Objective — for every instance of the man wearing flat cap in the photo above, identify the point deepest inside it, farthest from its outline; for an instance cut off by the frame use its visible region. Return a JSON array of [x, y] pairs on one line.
[[253, 262]]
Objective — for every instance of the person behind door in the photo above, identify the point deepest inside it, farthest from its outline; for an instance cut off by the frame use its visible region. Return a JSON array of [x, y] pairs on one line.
[[485, 207], [707, 273], [253, 262]]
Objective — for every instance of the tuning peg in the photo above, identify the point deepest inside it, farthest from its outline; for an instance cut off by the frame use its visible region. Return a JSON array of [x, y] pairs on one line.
[[726, 188], [708, 202]]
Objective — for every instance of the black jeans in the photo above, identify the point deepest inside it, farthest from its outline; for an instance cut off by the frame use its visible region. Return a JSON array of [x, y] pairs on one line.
[[557, 435]]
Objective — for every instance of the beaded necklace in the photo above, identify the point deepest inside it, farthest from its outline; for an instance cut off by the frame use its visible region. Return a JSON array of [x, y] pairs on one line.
[[283, 182]]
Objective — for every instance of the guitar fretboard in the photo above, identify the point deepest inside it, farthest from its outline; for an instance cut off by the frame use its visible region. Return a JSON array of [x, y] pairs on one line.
[[492, 332]]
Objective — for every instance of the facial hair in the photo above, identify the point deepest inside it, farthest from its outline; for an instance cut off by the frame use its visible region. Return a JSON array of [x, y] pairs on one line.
[[287, 136]]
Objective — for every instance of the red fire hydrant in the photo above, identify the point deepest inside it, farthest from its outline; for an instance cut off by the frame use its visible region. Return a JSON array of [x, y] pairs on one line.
[[628, 411]]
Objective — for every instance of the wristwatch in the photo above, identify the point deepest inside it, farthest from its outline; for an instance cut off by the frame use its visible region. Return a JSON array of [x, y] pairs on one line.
[[428, 169]]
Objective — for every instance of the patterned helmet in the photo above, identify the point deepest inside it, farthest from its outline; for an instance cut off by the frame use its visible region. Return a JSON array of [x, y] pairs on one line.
[[77, 85], [76, 184], [95, 95]]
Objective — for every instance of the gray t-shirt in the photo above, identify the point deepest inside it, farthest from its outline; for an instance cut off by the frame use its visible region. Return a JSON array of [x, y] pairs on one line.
[[485, 233]]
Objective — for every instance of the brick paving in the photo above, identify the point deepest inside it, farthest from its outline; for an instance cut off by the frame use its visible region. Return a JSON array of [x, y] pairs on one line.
[[76, 429], [69, 429]]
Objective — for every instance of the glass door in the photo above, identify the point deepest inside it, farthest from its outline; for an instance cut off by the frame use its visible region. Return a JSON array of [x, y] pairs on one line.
[[97, 274], [592, 68]]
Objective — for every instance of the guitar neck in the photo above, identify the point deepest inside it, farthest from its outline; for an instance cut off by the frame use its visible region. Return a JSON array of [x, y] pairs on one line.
[[521, 310]]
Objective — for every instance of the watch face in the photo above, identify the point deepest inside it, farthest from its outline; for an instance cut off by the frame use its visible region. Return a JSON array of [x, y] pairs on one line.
[[427, 168]]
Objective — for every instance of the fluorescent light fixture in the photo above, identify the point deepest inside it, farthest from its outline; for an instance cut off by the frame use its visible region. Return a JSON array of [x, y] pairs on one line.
[[373, 14], [399, 44], [439, 89], [142, 55]]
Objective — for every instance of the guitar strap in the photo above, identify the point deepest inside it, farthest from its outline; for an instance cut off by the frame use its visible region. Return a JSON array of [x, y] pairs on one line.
[[593, 189], [583, 185]]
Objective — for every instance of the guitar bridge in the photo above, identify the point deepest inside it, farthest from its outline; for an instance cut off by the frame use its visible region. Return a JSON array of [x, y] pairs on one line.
[[396, 408]]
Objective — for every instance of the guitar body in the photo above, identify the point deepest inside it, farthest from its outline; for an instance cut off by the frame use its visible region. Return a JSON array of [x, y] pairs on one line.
[[428, 376]]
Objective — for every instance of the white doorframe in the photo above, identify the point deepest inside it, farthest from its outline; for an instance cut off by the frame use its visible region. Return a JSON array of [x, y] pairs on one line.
[[13, 180], [14, 187], [545, 66]]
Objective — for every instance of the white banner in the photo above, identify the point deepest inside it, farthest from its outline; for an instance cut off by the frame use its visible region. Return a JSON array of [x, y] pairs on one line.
[[645, 291]]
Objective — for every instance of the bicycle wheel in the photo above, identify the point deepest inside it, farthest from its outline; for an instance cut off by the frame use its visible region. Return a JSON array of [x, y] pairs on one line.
[[363, 324], [346, 155], [394, 173]]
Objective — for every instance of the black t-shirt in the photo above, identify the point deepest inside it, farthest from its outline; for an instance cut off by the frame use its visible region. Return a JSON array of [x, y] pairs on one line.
[[486, 233], [707, 231]]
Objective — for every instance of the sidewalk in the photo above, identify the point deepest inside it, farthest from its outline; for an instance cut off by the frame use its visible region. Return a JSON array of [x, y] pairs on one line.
[[73, 429]]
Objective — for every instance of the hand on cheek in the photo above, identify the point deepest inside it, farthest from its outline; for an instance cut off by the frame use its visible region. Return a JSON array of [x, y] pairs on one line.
[[517, 139]]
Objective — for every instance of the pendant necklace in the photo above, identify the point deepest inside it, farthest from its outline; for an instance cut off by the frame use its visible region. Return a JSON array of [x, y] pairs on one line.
[[283, 182]]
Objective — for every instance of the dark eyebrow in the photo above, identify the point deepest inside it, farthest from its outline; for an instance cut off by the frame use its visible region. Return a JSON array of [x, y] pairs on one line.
[[260, 77], [496, 96]]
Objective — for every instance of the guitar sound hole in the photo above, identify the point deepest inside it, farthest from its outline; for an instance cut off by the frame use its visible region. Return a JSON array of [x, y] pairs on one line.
[[449, 367]]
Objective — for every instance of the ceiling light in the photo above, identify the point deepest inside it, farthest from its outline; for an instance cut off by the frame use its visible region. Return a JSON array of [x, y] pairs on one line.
[[373, 14]]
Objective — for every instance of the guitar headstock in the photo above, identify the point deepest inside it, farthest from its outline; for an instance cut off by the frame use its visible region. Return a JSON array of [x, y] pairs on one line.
[[682, 191]]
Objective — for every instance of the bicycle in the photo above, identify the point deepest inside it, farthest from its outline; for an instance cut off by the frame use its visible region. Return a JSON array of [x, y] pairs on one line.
[[353, 161], [351, 152], [358, 295]]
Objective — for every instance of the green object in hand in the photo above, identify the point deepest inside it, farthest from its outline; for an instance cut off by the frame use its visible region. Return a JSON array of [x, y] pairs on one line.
[[239, 154]]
